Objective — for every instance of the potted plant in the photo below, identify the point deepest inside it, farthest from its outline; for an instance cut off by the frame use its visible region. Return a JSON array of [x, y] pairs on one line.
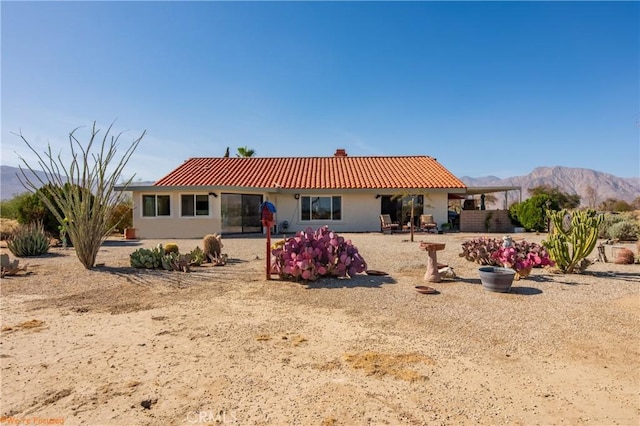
[[504, 260]]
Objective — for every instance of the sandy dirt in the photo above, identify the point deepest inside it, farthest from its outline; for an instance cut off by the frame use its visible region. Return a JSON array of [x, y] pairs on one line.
[[222, 345]]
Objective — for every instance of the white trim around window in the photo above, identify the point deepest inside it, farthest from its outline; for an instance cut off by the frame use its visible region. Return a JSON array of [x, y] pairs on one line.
[[155, 205], [321, 208], [194, 205]]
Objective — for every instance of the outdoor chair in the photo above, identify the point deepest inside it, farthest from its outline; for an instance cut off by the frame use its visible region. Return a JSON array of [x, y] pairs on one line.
[[427, 223], [387, 225]]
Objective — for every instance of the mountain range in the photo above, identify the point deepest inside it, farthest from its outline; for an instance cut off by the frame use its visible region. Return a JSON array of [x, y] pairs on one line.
[[568, 179]]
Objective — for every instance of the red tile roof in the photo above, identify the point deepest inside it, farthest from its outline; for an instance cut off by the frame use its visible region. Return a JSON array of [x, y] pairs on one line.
[[314, 173]]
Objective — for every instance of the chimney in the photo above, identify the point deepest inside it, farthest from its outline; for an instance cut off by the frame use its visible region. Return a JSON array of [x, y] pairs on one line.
[[340, 152]]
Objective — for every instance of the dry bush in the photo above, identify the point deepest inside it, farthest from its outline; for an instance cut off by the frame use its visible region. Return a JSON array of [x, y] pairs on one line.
[[7, 227]]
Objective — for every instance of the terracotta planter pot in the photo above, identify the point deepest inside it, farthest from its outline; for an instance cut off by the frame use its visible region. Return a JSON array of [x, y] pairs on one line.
[[497, 279], [130, 233]]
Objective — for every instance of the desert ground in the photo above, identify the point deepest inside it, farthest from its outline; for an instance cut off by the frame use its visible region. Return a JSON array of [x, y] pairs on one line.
[[224, 345]]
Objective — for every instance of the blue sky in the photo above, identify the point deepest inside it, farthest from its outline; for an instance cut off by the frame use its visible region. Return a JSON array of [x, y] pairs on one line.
[[488, 88]]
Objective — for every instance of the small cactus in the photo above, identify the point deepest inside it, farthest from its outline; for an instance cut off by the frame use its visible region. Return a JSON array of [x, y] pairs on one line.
[[171, 248], [212, 247], [176, 262], [197, 256], [9, 267], [625, 257], [572, 238], [147, 258]]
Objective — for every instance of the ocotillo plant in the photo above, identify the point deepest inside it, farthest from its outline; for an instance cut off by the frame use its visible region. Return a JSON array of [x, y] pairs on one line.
[[573, 237]]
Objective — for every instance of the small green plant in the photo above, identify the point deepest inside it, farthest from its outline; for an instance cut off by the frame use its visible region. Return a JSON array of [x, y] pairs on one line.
[[64, 232], [197, 256], [147, 258], [29, 240], [487, 220], [175, 261], [573, 238]]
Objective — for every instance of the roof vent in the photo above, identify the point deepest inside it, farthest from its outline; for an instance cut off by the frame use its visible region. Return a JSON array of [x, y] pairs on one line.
[[340, 153]]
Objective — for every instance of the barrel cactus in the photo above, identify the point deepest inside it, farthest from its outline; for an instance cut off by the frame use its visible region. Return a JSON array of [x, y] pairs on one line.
[[171, 248]]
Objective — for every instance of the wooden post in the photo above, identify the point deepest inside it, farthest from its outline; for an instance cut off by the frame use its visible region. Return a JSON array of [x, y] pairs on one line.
[[267, 210], [268, 252]]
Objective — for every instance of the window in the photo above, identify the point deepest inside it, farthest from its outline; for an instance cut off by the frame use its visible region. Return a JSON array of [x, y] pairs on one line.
[[156, 205], [321, 208], [194, 205]]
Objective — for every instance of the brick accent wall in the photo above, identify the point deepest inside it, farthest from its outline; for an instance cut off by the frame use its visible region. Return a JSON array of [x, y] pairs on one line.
[[475, 221]]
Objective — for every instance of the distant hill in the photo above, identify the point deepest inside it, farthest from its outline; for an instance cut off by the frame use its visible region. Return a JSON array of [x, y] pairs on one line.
[[10, 184], [568, 179]]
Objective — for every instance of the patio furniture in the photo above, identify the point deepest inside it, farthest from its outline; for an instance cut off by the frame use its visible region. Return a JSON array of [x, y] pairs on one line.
[[428, 224], [387, 225]]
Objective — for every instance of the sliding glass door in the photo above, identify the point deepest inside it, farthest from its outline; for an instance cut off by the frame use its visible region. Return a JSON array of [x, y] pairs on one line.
[[241, 213]]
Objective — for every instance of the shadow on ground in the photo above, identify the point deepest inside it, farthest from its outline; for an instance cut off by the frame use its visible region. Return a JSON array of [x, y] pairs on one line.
[[365, 281]]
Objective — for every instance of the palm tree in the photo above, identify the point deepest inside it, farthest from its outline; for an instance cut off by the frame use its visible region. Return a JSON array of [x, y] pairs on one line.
[[245, 152]]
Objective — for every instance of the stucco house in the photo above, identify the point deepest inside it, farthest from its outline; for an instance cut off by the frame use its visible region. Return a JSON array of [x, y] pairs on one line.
[[223, 195]]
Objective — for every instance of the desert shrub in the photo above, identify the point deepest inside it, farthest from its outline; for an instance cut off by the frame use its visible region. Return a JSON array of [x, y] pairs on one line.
[[8, 227], [609, 220], [311, 255], [513, 215], [121, 216], [9, 208], [559, 198], [624, 231], [29, 240], [625, 257], [31, 209], [531, 213]]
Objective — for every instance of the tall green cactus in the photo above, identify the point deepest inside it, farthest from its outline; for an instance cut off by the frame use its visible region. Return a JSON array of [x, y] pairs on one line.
[[573, 237]]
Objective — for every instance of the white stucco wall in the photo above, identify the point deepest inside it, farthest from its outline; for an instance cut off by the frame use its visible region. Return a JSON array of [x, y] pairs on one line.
[[175, 226], [360, 213], [437, 204]]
